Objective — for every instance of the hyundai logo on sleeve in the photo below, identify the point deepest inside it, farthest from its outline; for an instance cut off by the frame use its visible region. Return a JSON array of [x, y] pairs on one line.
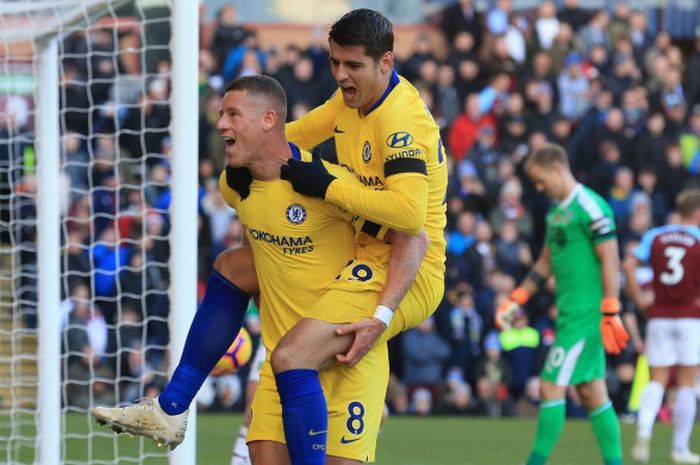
[[399, 140]]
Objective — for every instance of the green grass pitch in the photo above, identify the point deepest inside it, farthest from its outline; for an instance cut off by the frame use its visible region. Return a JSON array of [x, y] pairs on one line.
[[403, 441]]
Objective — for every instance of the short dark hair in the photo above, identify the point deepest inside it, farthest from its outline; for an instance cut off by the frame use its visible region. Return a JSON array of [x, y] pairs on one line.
[[262, 85], [547, 155], [364, 27], [688, 201]]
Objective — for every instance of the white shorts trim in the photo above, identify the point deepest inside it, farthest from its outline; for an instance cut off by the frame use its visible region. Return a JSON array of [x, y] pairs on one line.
[[673, 341]]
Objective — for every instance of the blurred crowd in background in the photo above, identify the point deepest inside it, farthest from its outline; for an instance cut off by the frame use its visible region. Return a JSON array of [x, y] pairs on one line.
[[620, 100]]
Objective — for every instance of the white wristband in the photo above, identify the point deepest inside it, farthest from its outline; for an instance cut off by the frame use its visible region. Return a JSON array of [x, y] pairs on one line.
[[384, 314]]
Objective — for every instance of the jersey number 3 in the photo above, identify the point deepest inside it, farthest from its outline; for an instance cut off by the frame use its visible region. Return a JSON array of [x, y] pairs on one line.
[[674, 255]]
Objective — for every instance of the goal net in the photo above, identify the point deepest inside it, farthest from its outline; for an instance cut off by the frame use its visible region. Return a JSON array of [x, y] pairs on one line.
[[114, 196]]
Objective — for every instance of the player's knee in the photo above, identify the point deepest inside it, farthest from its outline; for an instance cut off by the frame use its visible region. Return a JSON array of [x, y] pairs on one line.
[[237, 266], [282, 359]]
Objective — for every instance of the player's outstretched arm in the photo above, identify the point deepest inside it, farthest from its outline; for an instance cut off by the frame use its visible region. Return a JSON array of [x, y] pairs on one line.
[[407, 254], [535, 280], [614, 334], [401, 206]]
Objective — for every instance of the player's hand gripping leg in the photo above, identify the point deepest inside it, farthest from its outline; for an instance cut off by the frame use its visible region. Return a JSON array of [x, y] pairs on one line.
[[366, 332]]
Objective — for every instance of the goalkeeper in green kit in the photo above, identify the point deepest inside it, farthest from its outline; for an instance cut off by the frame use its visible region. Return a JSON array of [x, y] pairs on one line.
[[581, 253]]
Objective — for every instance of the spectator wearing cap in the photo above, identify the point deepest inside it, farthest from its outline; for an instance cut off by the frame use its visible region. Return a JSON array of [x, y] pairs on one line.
[[493, 375], [458, 393], [514, 133], [573, 88], [690, 142]]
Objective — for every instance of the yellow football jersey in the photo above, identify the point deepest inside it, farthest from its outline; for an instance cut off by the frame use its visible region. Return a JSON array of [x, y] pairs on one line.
[[396, 144], [299, 243]]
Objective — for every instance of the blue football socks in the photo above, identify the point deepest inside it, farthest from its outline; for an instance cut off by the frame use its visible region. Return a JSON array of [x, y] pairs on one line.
[[304, 415], [214, 327]]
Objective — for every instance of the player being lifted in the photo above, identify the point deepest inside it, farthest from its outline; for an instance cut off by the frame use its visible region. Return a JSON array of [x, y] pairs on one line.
[[673, 328], [581, 253], [386, 137]]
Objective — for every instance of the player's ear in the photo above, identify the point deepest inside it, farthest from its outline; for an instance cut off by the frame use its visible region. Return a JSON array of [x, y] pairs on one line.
[[269, 119], [387, 61]]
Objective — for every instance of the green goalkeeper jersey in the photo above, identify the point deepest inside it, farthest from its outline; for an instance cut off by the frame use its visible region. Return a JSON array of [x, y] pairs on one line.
[[574, 227]]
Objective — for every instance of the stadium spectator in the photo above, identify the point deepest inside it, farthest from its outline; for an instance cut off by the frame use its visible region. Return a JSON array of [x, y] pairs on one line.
[[85, 344], [466, 127], [425, 353], [228, 35], [462, 16], [492, 378], [546, 25]]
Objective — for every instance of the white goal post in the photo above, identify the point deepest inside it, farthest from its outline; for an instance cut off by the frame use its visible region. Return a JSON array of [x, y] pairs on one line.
[[37, 423]]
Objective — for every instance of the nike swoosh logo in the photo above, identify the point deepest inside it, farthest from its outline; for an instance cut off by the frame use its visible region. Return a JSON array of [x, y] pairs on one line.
[[348, 441], [338, 130], [316, 433]]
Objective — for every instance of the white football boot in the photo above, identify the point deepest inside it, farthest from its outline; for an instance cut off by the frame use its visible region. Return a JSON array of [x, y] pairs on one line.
[[145, 418], [684, 457], [640, 451]]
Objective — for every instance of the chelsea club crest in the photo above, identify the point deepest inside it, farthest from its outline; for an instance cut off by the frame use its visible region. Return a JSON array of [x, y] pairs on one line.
[[366, 152], [296, 214]]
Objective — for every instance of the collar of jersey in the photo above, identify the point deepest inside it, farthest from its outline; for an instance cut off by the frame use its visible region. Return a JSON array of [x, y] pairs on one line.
[[296, 153], [569, 198], [393, 82]]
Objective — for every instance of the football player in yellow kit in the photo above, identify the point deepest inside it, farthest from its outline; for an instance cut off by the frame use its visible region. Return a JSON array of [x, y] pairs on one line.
[[299, 244], [386, 136]]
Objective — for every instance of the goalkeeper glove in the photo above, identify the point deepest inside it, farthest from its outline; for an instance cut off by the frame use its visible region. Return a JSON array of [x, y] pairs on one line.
[[511, 308], [239, 179], [310, 179], [614, 334]]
